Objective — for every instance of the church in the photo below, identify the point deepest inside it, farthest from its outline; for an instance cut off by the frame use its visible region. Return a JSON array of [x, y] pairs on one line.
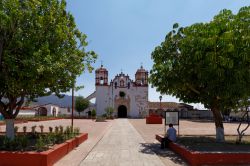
[[128, 98]]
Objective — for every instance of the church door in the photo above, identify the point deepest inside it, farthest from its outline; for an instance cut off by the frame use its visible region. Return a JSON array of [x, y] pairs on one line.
[[42, 111], [122, 111]]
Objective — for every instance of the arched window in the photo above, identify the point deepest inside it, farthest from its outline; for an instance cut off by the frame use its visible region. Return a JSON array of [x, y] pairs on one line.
[[122, 83], [115, 85], [101, 80], [54, 111]]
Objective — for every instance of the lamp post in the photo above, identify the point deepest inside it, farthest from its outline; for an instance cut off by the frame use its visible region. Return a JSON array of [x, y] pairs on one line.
[[160, 97], [73, 103]]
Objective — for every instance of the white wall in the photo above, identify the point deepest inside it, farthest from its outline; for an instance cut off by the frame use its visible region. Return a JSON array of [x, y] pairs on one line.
[[138, 99], [102, 99], [50, 108], [27, 113]]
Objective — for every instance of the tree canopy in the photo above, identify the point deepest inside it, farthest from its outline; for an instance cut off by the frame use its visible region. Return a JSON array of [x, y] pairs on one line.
[[41, 51], [206, 62], [81, 104]]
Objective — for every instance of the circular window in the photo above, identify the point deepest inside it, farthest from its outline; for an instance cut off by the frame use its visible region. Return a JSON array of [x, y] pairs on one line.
[[122, 94]]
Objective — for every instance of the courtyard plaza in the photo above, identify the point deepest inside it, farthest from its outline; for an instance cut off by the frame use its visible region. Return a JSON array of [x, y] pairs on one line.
[[125, 141]]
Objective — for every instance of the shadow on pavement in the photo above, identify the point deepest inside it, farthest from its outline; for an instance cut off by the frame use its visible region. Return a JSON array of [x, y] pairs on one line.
[[154, 148]]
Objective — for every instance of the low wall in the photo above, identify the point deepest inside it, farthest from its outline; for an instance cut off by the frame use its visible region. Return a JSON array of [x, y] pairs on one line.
[[46, 158], [195, 158]]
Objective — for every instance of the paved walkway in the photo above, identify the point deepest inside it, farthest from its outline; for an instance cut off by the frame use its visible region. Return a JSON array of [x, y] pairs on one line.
[[148, 132], [122, 145]]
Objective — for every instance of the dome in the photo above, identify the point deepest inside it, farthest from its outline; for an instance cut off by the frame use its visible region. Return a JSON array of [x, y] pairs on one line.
[[101, 69], [141, 77], [141, 70]]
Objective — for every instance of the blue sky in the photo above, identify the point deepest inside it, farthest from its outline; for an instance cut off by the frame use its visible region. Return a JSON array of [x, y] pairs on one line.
[[124, 32]]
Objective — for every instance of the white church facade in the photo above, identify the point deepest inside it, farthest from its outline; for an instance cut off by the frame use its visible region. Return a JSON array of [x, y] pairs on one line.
[[128, 98]]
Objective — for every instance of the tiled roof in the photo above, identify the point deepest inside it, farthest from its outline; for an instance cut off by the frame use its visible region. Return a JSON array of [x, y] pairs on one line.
[[26, 108], [164, 105]]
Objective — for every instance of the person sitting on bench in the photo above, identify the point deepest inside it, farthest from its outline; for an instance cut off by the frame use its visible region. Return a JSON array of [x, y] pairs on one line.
[[169, 137]]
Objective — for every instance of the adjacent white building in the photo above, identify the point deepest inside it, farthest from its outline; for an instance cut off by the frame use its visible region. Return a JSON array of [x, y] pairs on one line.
[[129, 98], [47, 110]]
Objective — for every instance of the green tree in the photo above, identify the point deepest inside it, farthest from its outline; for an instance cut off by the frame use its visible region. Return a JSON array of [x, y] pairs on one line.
[[81, 104], [207, 63], [109, 111], [93, 113], [41, 52]]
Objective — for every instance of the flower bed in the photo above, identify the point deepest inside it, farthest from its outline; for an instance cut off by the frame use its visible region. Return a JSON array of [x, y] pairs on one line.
[[195, 158], [154, 119], [37, 118], [198, 158], [45, 158]]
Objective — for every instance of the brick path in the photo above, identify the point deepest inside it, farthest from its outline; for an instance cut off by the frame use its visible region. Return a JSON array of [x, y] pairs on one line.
[[148, 131], [122, 145]]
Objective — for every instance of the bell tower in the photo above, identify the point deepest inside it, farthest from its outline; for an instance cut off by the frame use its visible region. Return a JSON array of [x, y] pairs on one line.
[[101, 76], [141, 77]]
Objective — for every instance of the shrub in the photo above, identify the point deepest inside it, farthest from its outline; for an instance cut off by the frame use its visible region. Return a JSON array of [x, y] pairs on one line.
[[6, 143], [100, 119], [24, 129], [50, 129], [59, 138], [33, 129], [23, 140], [93, 113], [41, 127], [40, 144], [109, 111], [50, 139], [56, 129], [68, 132], [76, 131], [61, 129], [16, 129]]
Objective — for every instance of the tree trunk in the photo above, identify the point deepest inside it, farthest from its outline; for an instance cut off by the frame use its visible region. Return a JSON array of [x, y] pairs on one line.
[[220, 137], [1, 52], [10, 133]]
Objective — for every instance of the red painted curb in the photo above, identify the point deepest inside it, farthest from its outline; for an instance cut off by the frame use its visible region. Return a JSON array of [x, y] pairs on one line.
[[46, 158], [195, 158]]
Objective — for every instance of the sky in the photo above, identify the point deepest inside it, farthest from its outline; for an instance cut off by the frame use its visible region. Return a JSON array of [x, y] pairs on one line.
[[124, 33]]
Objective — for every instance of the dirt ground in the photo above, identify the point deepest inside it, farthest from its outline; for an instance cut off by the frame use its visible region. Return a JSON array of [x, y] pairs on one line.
[[192, 129], [208, 144]]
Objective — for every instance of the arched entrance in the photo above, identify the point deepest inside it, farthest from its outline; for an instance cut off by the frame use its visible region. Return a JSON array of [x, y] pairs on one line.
[[42, 111], [54, 111], [122, 111]]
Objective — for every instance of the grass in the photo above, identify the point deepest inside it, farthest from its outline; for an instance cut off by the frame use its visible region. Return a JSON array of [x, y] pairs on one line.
[[208, 143]]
